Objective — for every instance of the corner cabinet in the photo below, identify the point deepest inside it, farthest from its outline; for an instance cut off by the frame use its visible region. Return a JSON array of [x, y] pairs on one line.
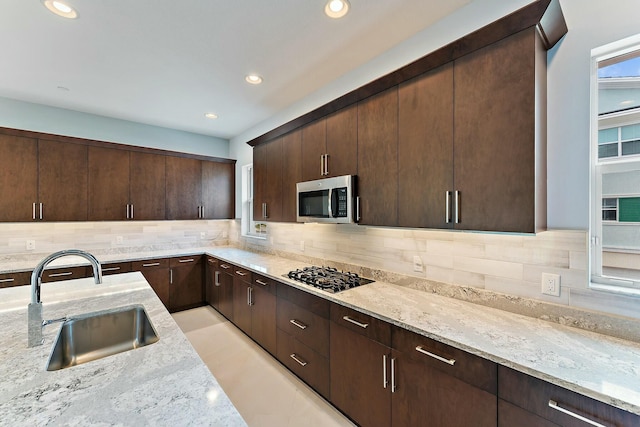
[[267, 181]]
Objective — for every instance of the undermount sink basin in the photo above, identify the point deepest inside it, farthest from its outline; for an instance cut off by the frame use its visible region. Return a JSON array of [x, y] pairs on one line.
[[96, 335]]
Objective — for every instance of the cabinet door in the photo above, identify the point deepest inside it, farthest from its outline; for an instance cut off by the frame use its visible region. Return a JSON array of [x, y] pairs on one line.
[[263, 318], [156, 272], [184, 188], [259, 181], [241, 307], [65, 273], [378, 158], [186, 287], [425, 150], [116, 268], [342, 142], [358, 377], [19, 177], [291, 174], [108, 184], [273, 182], [21, 278], [314, 145], [147, 186], [495, 135], [225, 291], [218, 190], [212, 283], [62, 180]]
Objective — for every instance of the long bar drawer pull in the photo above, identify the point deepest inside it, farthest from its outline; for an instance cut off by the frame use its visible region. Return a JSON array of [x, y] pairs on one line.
[[355, 322], [240, 273], [9, 280], [298, 324], [297, 359], [260, 282], [66, 273], [435, 356], [110, 269], [186, 260], [225, 266], [554, 405], [153, 264]]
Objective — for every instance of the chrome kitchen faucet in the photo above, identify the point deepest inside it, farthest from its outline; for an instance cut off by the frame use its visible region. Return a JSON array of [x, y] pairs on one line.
[[34, 309]]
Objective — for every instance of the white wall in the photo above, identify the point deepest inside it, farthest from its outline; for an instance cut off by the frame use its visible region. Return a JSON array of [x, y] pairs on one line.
[[58, 121]]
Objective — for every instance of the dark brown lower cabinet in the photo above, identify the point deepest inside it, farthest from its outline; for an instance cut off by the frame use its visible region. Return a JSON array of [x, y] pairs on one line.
[[211, 282], [115, 268], [263, 312], [225, 289], [306, 363], [65, 273], [156, 272], [539, 403], [242, 299], [8, 280], [185, 283]]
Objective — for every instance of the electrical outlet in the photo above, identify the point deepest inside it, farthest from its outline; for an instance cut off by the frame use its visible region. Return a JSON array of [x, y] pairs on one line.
[[417, 264], [31, 245], [301, 245], [551, 284], [203, 234], [119, 240]]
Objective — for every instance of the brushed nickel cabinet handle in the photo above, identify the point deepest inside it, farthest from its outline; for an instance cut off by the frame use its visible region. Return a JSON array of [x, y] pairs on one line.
[[355, 322], [447, 207], [393, 375], [110, 269], [384, 371], [34, 210], [260, 282], [41, 210], [132, 216], [66, 273], [153, 264], [321, 164], [202, 211], [185, 260], [240, 273], [358, 209], [326, 165], [457, 210], [297, 359], [225, 266], [9, 280], [421, 349], [298, 324], [554, 405], [216, 279], [171, 276]]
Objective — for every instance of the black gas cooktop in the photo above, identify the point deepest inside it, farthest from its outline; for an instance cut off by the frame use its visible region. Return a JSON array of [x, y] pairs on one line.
[[328, 278]]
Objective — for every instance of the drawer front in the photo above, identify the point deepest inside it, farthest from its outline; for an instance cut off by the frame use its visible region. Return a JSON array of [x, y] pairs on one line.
[[362, 324], [310, 366], [242, 274], [58, 274], [314, 304], [307, 327], [265, 283], [184, 261], [150, 264], [8, 280], [116, 268], [467, 367], [212, 261], [538, 397]]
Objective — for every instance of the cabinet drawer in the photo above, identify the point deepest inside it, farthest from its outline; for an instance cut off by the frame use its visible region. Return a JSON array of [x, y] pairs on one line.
[[362, 324], [265, 283], [227, 267], [116, 268], [314, 304], [309, 328], [150, 264], [242, 274], [310, 366], [58, 274], [184, 261], [8, 280], [467, 367], [537, 396]]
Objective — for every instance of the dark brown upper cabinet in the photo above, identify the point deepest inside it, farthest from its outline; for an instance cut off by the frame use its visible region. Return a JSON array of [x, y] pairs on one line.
[[218, 190], [184, 188], [62, 181], [147, 183], [19, 177], [378, 159], [291, 174], [425, 149], [500, 136], [108, 184], [267, 181], [329, 145]]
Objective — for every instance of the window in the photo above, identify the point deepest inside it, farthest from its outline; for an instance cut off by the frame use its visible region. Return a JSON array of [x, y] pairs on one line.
[[615, 168], [249, 227]]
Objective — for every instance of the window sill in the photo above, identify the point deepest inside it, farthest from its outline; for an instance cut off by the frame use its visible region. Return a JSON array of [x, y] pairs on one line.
[[256, 236], [615, 289]]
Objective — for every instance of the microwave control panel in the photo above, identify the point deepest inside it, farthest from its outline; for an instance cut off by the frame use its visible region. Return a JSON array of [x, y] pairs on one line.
[[340, 211]]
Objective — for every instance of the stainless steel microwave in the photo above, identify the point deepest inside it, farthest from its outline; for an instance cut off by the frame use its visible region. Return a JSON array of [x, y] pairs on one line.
[[327, 200]]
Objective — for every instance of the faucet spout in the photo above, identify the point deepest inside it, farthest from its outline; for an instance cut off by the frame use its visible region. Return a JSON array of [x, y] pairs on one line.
[[35, 322]]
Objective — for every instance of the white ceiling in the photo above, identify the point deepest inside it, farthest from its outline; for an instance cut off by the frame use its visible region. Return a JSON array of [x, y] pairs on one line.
[[166, 63]]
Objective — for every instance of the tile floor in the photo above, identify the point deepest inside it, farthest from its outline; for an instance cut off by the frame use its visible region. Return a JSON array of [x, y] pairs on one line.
[[264, 392]]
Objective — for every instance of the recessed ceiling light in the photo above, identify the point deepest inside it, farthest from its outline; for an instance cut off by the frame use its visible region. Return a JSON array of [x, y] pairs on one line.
[[254, 79], [211, 115], [61, 8], [336, 8]]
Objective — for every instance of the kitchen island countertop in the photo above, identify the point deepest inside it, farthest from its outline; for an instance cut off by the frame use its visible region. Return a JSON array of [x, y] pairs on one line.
[[164, 383]]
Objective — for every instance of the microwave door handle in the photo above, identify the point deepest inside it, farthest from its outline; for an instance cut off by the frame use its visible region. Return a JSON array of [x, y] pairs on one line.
[[330, 199]]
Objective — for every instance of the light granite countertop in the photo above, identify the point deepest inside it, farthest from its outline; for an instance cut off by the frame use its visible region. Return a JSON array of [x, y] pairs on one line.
[[164, 383], [595, 365]]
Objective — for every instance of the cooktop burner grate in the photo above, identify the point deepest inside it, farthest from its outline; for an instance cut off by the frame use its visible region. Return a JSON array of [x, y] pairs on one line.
[[327, 278]]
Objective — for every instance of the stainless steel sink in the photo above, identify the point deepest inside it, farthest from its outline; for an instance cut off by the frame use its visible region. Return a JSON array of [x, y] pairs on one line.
[[96, 335]]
